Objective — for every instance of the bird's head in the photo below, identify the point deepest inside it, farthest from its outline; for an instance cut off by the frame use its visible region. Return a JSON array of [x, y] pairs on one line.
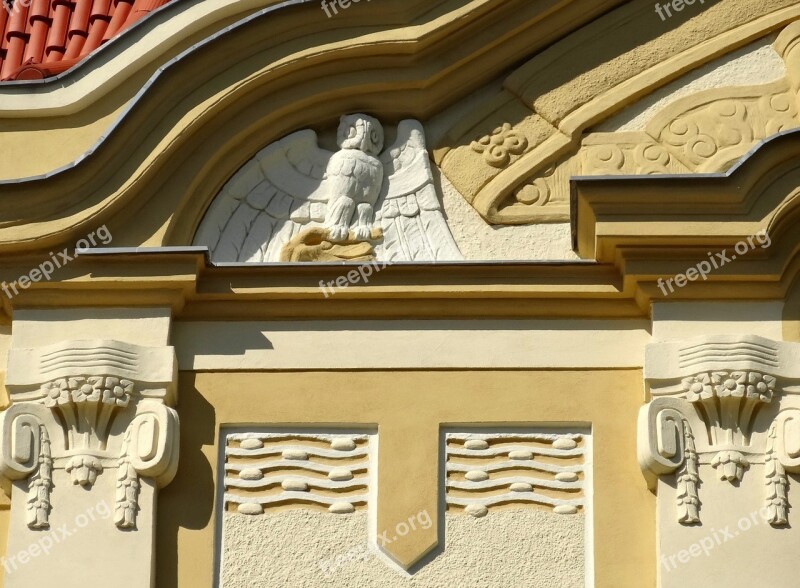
[[359, 131]]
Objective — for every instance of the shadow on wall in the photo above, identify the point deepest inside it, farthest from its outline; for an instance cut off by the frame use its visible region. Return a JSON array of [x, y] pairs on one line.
[[187, 503]]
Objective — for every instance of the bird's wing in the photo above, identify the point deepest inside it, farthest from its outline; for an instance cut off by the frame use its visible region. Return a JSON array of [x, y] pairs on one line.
[[268, 201], [409, 211]]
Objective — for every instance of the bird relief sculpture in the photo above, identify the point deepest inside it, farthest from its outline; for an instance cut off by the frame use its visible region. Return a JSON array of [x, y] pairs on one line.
[[295, 201]]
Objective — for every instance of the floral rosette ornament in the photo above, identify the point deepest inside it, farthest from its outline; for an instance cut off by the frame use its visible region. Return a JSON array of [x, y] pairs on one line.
[[729, 401]]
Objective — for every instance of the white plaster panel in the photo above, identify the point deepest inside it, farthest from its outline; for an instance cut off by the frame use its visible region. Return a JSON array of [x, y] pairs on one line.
[[264, 471], [684, 320], [480, 241], [506, 548], [149, 327], [411, 344], [478, 478]]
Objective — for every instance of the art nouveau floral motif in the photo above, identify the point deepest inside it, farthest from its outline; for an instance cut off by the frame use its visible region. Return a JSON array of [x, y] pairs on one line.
[[711, 136], [498, 147], [84, 425], [729, 420], [108, 390], [730, 399]]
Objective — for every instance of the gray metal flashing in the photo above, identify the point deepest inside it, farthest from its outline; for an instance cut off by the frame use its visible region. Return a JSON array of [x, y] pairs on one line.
[[150, 82]]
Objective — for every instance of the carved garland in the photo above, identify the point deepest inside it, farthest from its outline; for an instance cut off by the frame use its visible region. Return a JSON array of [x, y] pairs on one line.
[[127, 498], [76, 400], [777, 502], [40, 484], [729, 401], [688, 480]]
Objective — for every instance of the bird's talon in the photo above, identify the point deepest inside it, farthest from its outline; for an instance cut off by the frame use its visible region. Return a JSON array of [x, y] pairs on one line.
[[363, 233], [338, 233]]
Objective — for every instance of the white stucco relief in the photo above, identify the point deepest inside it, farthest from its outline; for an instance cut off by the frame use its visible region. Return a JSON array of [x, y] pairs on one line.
[[266, 471], [719, 442], [357, 203], [90, 429], [526, 469]]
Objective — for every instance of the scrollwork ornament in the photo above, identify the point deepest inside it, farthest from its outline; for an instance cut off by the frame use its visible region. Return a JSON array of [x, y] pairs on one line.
[[498, 147]]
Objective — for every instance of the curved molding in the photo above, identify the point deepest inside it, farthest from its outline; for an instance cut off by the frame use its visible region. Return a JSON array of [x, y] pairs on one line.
[[549, 118], [636, 231], [215, 115], [114, 62]]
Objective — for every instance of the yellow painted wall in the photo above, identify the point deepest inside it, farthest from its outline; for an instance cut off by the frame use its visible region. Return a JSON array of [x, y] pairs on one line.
[[408, 408]]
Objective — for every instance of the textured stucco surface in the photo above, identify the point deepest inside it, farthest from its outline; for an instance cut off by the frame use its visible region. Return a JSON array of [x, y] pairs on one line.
[[757, 63], [519, 547], [480, 241]]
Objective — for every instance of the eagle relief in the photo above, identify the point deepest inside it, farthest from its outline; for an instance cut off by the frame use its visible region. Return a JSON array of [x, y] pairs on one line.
[[295, 201]]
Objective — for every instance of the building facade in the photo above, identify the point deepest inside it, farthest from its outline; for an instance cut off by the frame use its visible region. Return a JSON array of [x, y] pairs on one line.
[[389, 293]]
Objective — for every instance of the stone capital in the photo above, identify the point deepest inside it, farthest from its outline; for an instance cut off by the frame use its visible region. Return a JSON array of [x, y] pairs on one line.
[[718, 440], [84, 412]]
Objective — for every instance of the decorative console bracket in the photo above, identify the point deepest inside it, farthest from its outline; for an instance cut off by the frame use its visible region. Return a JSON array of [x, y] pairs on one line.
[[723, 407], [710, 397], [83, 412]]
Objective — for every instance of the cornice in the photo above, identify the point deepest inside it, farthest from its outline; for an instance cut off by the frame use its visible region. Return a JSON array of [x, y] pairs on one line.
[[703, 211], [196, 290]]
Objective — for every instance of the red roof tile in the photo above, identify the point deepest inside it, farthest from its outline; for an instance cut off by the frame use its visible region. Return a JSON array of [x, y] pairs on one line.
[[42, 38]]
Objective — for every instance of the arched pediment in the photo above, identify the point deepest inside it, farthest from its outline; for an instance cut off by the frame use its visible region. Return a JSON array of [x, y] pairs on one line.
[[182, 132], [638, 234], [217, 106]]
